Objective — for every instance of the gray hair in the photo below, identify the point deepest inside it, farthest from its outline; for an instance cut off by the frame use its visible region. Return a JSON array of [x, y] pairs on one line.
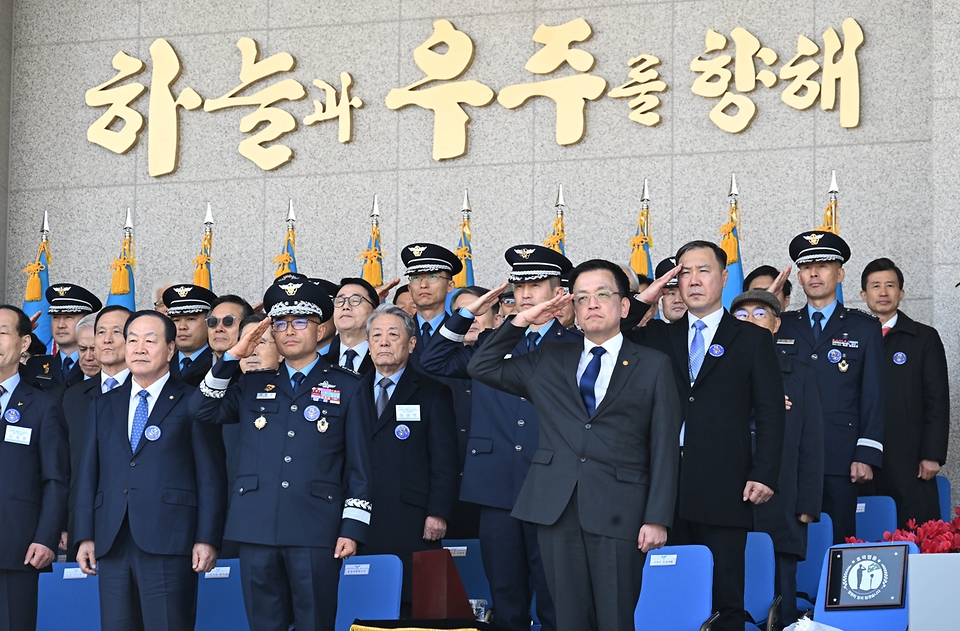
[[164, 283], [87, 322], [632, 278], [387, 309]]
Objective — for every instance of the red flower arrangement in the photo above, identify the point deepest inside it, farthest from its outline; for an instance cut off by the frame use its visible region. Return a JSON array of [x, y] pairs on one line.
[[935, 536]]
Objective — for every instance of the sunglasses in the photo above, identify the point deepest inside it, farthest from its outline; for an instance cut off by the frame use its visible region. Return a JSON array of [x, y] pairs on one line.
[[228, 321]]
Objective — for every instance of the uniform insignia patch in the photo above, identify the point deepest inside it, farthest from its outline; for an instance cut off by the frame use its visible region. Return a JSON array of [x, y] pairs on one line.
[[786, 341], [182, 291], [417, 249], [269, 387], [813, 238], [845, 343], [291, 288], [834, 356]]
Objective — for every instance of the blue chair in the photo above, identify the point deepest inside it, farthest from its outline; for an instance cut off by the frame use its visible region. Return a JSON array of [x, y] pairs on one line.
[[466, 556], [876, 514], [676, 594], [220, 599], [946, 502], [68, 600], [369, 589], [759, 599], [819, 540], [890, 619]]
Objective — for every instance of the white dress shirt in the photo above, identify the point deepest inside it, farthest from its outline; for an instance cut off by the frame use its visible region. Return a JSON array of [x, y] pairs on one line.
[[892, 322], [360, 349], [607, 361], [154, 392], [121, 377]]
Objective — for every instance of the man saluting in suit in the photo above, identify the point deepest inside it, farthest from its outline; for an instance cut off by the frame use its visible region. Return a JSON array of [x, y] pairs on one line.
[[151, 496], [603, 481]]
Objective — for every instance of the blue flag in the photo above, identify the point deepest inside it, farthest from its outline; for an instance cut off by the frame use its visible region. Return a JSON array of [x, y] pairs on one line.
[[35, 296]]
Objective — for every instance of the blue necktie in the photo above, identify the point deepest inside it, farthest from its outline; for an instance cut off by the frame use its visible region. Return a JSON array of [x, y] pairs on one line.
[[348, 356], [297, 379], [140, 416], [588, 381], [67, 365], [111, 383], [532, 338], [817, 326], [185, 364], [696, 350], [425, 330]]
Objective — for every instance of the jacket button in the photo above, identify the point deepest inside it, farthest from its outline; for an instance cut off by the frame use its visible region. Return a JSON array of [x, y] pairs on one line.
[[329, 498], [582, 459], [587, 426], [125, 490], [293, 408], [522, 399], [691, 399], [519, 448], [241, 489], [473, 451], [287, 458], [291, 433], [467, 391], [463, 431], [521, 422], [814, 356], [284, 484], [132, 463], [324, 412]]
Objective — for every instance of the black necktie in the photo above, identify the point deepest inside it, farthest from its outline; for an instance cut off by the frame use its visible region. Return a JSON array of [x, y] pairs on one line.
[[348, 356], [297, 379], [425, 330], [532, 338], [67, 365], [185, 364], [817, 326]]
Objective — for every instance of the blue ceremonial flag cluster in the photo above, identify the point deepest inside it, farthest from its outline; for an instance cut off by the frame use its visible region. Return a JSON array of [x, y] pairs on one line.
[[38, 280], [286, 261], [730, 242], [640, 260], [372, 257], [464, 251]]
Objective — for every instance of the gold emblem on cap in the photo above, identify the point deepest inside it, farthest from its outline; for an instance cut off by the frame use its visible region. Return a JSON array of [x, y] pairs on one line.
[[525, 253], [182, 291], [260, 423], [813, 238], [61, 290], [291, 288], [417, 249]]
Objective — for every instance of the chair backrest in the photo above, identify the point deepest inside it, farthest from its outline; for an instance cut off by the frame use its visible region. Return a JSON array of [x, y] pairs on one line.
[[68, 600], [876, 514], [888, 619], [819, 540], [369, 589], [676, 594], [466, 556], [220, 599], [946, 502], [758, 593]]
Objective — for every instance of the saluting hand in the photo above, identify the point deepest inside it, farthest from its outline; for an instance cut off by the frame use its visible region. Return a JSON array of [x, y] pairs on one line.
[[383, 291], [249, 340], [541, 313], [483, 304], [777, 285], [652, 293], [35, 320]]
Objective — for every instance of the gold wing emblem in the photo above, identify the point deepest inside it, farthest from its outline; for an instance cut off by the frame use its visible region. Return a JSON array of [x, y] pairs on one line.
[[182, 291], [291, 288], [61, 290], [814, 239], [417, 249], [525, 253]]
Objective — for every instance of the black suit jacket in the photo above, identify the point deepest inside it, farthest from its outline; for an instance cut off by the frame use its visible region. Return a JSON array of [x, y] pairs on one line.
[[76, 409], [333, 357], [172, 489], [623, 459], [36, 477], [197, 370], [741, 382]]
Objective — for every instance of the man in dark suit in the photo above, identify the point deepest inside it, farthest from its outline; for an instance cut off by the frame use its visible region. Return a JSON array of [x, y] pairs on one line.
[[797, 501], [503, 437], [354, 302], [151, 493], [300, 502], [917, 424], [68, 304], [728, 376], [35, 468], [110, 350], [188, 306], [413, 447], [845, 348], [602, 486]]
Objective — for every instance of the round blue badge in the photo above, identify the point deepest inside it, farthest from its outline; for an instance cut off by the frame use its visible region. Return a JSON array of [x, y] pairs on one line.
[[899, 358], [13, 416], [402, 432], [716, 350], [152, 433], [312, 413], [834, 356]]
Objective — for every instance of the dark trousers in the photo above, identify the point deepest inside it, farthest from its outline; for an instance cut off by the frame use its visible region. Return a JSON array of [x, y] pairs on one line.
[[727, 546], [140, 591], [595, 580], [274, 577], [785, 584], [840, 502], [18, 600], [512, 563]]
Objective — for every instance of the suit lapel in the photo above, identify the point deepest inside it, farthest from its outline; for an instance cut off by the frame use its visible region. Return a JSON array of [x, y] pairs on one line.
[[168, 398], [20, 398], [803, 325], [678, 341], [571, 362], [120, 408], [625, 364], [725, 334]]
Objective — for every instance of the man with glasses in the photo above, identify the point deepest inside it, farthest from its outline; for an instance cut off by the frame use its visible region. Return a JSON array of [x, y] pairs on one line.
[[430, 270], [353, 304], [223, 323], [188, 306], [300, 502]]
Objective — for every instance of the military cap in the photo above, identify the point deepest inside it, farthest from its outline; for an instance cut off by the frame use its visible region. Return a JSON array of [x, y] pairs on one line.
[[66, 298], [327, 286], [818, 246], [757, 295], [529, 263], [665, 266], [187, 300], [295, 294], [423, 258]]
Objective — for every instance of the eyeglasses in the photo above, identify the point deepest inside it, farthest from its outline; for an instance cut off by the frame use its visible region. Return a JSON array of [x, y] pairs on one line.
[[353, 299], [298, 325], [603, 296], [758, 313], [228, 321], [430, 278], [508, 301]]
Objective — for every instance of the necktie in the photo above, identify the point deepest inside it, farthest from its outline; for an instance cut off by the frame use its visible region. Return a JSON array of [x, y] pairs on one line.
[[348, 356], [3, 391], [885, 330], [696, 349], [817, 325], [297, 379], [425, 330], [532, 338], [111, 383], [67, 365], [139, 419], [588, 381], [383, 398], [185, 364]]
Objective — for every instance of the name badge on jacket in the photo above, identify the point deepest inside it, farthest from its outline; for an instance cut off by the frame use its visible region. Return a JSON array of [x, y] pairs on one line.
[[18, 435], [408, 413]]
